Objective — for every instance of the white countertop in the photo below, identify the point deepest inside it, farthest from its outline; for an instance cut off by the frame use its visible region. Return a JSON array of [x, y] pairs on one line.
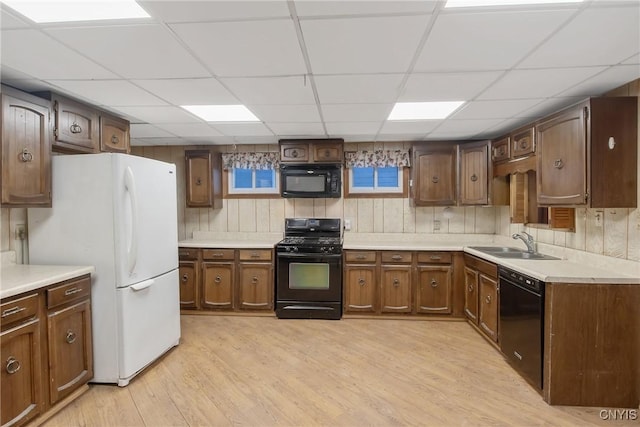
[[230, 240], [19, 278]]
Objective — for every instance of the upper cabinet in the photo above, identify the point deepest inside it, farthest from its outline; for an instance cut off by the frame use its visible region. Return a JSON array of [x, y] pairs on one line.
[[204, 179], [587, 154], [26, 155], [434, 175], [474, 167], [311, 150], [114, 134], [76, 126], [522, 142]]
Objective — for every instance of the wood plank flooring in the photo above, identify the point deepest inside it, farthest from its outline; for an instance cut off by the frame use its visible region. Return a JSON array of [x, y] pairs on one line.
[[261, 371]]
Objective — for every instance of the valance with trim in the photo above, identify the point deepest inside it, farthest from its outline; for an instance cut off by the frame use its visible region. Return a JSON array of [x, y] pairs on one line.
[[254, 160], [377, 158]]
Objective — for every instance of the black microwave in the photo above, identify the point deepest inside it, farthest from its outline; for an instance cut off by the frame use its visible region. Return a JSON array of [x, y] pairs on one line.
[[310, 180]]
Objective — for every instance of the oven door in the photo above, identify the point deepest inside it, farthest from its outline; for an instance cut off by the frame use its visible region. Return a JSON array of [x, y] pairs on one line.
[[309, 277]]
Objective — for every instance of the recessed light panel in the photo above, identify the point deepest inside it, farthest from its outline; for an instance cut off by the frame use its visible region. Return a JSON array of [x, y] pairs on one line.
[[222, 113], [42, 11], [481, 3], [423, 110]]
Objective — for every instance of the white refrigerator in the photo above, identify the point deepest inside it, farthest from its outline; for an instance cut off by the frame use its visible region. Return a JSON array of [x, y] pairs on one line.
[[118, 213]]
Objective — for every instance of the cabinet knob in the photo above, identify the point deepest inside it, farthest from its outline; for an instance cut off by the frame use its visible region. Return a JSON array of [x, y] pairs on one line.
[[218, 279], [13, 365], [185, 277], [294, 153], [361, 282], [25, 156], [558, 164], [198, 181], [501, 151], [327, 153], [470, 288], [435, 179], [396, 282], [434, 283], [115, 140], [75, 128], [254, 280], [71, 337], [435, 257], [361, 257], [488, 299], [474, 178], [524, 144], [397, 257]]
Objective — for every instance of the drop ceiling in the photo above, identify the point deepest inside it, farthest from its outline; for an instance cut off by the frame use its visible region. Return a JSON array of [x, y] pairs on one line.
[[328, 69]]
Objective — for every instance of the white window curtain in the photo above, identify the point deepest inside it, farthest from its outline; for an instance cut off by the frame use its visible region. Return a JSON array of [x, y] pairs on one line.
[[255, 160], [377, 158]]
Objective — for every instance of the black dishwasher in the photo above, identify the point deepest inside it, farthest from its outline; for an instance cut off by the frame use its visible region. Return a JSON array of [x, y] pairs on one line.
[[522, 323]]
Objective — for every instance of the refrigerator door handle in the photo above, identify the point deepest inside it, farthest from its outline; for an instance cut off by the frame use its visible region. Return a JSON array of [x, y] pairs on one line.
[[130, 185], [142, 285]]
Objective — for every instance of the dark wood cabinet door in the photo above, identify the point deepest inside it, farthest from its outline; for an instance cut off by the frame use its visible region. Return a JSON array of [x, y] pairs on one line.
[[20, 381], [501, 149], [435, 177], [395, 294], [255, 286], [523, 143], [188, 284], [294, 153], [114, 134], [474, 174], [360, 288], [204, 179], [76, 126], [562, 158], [70, 349], [471, 294], [327, 152], [434, 289], [489, 306], [26, 153], [217, 285]]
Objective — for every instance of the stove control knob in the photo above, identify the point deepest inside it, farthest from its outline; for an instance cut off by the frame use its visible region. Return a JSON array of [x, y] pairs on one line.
[[294, 249]]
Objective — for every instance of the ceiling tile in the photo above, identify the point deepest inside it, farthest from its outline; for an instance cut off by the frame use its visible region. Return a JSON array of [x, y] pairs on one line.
[[335, 129], [546, 107], [142, 130], [467, 127], [504, 126], [357, 138], [271, 90], [153, 114], [612, 77], [137, 142], [240, 49], [307, 8], [597, 36], [133, 51], [297, 129], [486, 41], [286, 113], [201, 11], [410, 127], [186, 130], [45, 56], [356, 112], [540, 83], [355, 89], [635, 59], [255, 140], [108, 92], [500, 109], [401, 137], [243, 129], [360, 45], [189, 91], [9, 21], [446, 86]]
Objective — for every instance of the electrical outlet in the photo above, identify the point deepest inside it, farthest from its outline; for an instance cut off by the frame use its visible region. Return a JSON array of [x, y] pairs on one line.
[[436, 225], [347, 225], [598, 218], [21, 232]]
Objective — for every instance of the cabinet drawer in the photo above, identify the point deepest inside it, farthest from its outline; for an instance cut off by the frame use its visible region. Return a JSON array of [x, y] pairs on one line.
[[523, 143], [255, 255], [187, 253], [218, 254], [19, 310], [500, 149], [393, 256], [73, 290], [434, 257], [359, 256]]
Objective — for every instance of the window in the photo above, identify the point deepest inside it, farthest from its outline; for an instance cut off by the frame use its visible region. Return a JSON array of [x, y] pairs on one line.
[[376, 179], [253, 181]]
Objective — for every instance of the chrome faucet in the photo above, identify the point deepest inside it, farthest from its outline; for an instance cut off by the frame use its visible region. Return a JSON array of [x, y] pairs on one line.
[[527, 239]]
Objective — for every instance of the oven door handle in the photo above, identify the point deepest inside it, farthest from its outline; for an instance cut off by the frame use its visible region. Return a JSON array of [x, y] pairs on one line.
[[310, 256]]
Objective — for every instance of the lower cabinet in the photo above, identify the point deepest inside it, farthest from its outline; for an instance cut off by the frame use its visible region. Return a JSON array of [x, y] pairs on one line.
[[226, 279], [402, 282], [481, 295], [46, 348]]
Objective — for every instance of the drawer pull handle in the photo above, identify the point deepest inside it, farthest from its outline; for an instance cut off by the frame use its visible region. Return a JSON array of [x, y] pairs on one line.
[[255, 255], [218, 255], [218, 279], [434, 283], [254, 280], [361, 257], [75, 128], [435, 179], [488, 299], [185, 253], [71, 337], [470, 288], [435, 257], [474, 178], [501, 151], [396, 257], [14, 310], [13, 365], [558, 164], [185, 277], [72, 291], [361, 281], [396, 282], [25, 156], [115, 140], [524, 144]]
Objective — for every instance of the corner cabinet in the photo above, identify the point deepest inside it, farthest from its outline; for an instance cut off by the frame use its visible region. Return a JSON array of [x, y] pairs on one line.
[[76, 126], [481, 296], [586, 150], [434, 175], [204, 179], [26, 150]]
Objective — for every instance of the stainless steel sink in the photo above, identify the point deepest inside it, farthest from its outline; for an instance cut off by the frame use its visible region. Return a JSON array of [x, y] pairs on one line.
[[511, 253]]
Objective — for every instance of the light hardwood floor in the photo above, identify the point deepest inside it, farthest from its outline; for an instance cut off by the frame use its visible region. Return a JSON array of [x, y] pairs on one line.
[[261, 371]]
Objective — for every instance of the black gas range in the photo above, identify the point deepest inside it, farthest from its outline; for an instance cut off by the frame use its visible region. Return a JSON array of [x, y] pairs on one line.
[[309, 269]]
